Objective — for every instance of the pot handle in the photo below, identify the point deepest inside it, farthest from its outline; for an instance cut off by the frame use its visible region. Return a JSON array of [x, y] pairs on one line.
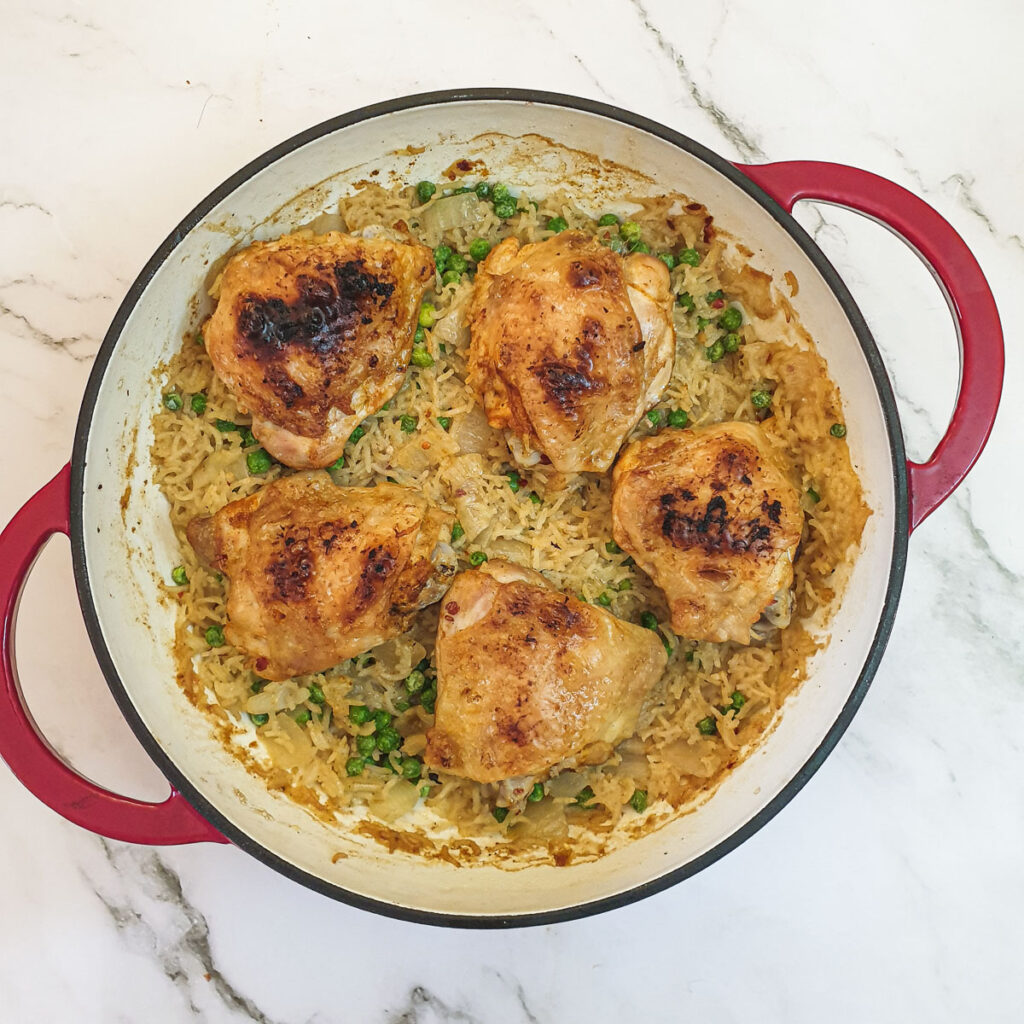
[[954, 267], [24, 749]]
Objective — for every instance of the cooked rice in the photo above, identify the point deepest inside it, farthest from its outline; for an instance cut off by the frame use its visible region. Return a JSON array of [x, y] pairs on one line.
[[201, 468]]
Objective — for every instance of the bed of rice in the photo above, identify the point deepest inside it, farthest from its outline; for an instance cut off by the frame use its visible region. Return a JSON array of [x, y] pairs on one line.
[[200, 468]]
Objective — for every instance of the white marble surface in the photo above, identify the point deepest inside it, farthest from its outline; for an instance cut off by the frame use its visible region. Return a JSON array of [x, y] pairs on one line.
[[891, 888]]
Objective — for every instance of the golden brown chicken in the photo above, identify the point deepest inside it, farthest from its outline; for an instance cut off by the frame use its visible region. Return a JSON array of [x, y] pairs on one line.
[[312, 334], [528, 677], [570, 345], [713, 519], [320, 573]]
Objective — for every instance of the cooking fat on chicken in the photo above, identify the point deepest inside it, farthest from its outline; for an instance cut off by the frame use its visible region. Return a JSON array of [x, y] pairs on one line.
[[528, 677]]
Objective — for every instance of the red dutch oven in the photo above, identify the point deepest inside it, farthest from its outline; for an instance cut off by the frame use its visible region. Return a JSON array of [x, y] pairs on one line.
[[606, 152]]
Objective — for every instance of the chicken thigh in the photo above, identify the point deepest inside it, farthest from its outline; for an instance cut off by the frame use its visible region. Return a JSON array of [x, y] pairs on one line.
[[714, 520], [570, 345], [312, 334], [321, 573], [528, 676]]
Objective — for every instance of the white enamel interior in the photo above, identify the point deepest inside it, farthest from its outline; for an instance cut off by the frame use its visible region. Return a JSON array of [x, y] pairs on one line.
[[124, 564]]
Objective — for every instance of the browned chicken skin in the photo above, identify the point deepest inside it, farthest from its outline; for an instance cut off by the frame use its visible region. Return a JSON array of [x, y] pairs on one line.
[[713, 519], [313, 334], [570, 345], [321, 573], [528, 676]]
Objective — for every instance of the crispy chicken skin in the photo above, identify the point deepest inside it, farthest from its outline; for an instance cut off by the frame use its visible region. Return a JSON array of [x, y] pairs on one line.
[[528, 676], [320, 573], [713, 519], [313, 334], [570, 344]]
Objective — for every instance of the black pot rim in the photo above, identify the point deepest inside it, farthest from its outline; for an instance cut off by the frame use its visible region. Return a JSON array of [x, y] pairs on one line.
[[889, 411]]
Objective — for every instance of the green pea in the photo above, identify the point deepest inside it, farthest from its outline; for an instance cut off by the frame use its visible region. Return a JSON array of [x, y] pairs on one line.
[[612, 548], [483, 190], [603, 599], [654, 417], [537, 793], [715, 351], [258, 685], [215, 636], [584, 796], [258, 462], [225, 426], [731, 319], [557, 224], [424, 190], [382, 719], [179, 576], [366, 745], [690, 257], [172, 401], [412, 769], [678, 418], [478, 249], [408, 423], [702, 322], [415, 681], [760, 399], [402, 705], [505, 208], [461, 190], [685, 299], [641, 247], [630, 230], [421, 357], [428, 315], [444, 422], [649, 620], [259, 719], [248, 437], [424, 791], [356, 435], [338, 463], [457, 532], [500, 192], [450, 277], [302, 716], [388, 739], [427, 699], [477, 558], [624, 585], [737, 700], [198, 404], [707, 726], [442, 254], [513, 481], [715, 296], [731, 342], [316, 694], [668, 259], [813, 495], [638, 801], [500, 814], [837, 430], [360, 714], [535, 498], [616, 244], [458, 263], [354, 766], [419, 336], [606, 220]]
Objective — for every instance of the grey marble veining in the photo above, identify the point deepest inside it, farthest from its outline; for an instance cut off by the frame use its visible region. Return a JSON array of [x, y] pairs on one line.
[[889, 890]]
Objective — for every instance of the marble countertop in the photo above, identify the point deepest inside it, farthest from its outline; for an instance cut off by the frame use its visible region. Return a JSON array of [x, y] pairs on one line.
[[890, 889]]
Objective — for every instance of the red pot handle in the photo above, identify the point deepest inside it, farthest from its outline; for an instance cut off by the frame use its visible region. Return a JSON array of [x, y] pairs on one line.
[[946, 255], [27, 754]]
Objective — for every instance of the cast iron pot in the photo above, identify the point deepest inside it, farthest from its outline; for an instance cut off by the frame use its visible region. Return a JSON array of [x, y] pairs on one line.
[[119, 562]]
